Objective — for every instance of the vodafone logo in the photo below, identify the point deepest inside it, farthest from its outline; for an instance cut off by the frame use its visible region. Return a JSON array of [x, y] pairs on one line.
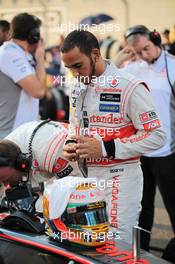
[[108, 89], [114, 82], [78, 196]]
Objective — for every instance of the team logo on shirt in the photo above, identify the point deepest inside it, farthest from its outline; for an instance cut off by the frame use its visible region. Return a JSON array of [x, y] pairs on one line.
[[148, 116], [152, 125], [65, 172], [60, 165], [108, 89], [114, 108], [114, 82], [106, 119], [107, 97]]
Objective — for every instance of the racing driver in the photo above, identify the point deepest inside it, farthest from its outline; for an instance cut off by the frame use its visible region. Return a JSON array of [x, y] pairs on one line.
[[116, 123]]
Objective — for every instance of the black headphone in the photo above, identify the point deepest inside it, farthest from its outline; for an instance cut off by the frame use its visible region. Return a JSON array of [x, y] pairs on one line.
[[22, 163], [34, 36], [154, 36]]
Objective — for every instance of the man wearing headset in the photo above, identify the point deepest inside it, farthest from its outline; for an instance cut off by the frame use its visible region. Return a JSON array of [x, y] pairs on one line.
[[33, 152], [157, 68], [4, 31], [22, 73], [34, 147]]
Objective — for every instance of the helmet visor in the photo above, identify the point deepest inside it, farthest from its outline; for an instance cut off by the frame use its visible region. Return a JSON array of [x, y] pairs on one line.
[[86, 217]]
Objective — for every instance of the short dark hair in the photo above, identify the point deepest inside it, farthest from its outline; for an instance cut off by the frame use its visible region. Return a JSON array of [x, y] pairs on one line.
[[166, 31], [82, 39], [10, 151], [22, 24], [5, 25]]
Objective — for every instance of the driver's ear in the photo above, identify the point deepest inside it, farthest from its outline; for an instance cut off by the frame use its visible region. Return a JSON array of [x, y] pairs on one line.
[[96, 54]]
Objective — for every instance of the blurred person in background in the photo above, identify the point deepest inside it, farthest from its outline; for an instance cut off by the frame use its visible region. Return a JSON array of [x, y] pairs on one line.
[[55, 104], [4, 31], [157, 68], [169, 43], [22, 73], [54, 63], [166, 39], [172, 40]]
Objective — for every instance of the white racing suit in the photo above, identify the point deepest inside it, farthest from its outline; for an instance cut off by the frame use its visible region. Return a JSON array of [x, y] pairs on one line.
[[47, 144], [119, 109]]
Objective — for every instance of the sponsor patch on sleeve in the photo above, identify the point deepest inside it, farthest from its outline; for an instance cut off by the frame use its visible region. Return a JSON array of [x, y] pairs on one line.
[[152, 125], [148, 116], [60, 165], [65, 172]]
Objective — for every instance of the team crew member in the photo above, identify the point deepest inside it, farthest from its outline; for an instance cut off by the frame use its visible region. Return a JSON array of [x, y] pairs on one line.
[[156, 67], [112, 103], [4, 31], [43, 141], [22, 74]]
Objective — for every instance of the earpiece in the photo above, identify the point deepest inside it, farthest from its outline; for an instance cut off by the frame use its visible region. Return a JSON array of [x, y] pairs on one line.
[[34, 36], [155, 37], [23, 162]]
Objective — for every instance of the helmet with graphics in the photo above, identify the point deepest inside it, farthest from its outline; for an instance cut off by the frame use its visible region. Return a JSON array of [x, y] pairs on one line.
[[84, 221]]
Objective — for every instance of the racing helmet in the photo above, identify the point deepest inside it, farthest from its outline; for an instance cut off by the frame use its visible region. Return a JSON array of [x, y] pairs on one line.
[[84, 221]]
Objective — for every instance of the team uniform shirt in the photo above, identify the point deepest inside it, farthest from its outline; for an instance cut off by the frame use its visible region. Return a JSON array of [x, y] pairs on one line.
[[113, 109], [155, 75], [120, 110], [16, 105], [46, 149]]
